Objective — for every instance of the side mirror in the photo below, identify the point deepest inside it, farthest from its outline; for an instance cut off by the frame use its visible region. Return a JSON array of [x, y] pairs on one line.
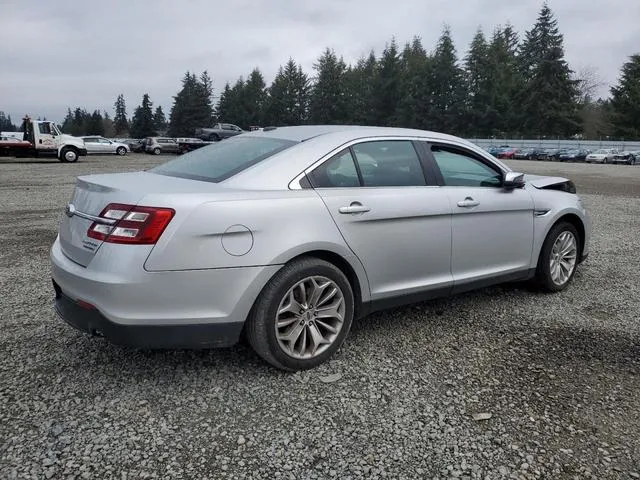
[[513, 180]]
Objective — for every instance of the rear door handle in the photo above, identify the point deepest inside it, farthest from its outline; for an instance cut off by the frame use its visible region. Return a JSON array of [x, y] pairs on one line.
[[355, 207], [468, 202]]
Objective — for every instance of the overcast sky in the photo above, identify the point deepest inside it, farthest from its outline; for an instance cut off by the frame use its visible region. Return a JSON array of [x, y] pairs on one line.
[[65, 53]]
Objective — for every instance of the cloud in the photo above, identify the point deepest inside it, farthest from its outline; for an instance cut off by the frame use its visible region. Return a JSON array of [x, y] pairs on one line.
[[67, 53]]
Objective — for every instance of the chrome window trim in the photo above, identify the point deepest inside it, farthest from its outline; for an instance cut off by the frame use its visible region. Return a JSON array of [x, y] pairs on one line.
[[295, 183]]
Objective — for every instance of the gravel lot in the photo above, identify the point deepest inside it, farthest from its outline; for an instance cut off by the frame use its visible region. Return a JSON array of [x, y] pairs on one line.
[[559, 374]]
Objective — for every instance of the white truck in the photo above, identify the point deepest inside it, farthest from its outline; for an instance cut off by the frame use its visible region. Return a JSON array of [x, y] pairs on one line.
[[41, 137]]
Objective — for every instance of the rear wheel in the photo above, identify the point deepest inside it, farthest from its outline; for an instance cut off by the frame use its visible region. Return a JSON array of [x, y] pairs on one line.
[[156, 151], [558, 258], [121, 151], [214, 137], [68, 154], [302, 316]]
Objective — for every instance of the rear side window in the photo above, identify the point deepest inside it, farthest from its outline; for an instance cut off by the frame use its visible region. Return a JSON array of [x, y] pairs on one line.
[[338, 171], [222, 160], [389, 163]]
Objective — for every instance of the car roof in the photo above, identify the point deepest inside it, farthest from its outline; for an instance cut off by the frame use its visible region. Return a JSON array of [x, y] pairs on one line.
[[302, 133]]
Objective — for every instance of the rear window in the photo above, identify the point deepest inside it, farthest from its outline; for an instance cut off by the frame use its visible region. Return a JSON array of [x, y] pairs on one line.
[[224, 159]]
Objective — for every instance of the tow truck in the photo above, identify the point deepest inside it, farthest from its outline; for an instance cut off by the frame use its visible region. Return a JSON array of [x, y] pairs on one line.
[[41, 137]]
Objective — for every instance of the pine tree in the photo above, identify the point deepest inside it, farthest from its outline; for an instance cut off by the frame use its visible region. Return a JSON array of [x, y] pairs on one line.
[[120, 122], [414, 87], [159, 120], [386, 86], [550, 93], [287, 100], [142, 122], [447, 91], [505, 85], [328, 100], [192, 107], [477, 76], [94, 124], [625, 100], [6, 125], [359, 81], [253, 96]]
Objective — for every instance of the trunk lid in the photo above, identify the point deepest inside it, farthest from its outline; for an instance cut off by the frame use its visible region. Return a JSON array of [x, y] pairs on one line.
[[93, 193]]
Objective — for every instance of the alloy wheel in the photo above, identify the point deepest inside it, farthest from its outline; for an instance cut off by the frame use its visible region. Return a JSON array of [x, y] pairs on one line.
[[310, 317], [563, 259]]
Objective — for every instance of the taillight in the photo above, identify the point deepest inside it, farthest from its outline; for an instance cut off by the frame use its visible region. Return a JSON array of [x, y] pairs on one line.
[[136, 225]]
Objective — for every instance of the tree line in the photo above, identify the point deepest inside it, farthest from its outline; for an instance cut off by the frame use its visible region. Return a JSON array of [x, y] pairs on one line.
[[506, 85]]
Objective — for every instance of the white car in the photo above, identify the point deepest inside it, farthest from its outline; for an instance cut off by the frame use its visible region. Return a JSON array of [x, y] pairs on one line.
[[103, 145], [604, 155]]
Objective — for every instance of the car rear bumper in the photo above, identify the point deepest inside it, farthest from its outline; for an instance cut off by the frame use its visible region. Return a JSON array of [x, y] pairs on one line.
[[91, 321], [116, 298]]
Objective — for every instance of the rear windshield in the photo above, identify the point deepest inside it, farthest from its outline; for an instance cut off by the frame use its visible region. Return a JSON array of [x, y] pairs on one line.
[[222, 160]]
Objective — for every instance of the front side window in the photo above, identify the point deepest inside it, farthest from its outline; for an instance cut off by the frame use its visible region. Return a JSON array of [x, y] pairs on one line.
[[389, 163], [44, 128], [222, 160], [338, 171], [461, 169]]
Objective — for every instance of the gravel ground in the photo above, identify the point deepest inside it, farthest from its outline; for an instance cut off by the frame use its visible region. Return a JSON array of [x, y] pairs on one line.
[[408, 396]]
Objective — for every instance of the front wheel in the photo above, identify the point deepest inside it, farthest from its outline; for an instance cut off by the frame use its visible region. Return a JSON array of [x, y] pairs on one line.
[[121, 151], [156, 151], [68, 154], [558, 258], [302, 316]]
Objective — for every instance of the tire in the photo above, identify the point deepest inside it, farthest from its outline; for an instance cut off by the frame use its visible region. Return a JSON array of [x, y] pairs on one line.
[[68, 154], [214, 137], [604, 162], [281, 289], [121, 151], [544, 277], [156, 151]]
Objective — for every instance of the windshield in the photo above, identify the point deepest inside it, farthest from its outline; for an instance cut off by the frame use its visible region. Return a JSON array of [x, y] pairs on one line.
[[223, 159], [601, 151]]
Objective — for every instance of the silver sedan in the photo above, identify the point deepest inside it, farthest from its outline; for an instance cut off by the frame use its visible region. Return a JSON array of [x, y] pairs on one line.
[[289, 234], [101, 145]]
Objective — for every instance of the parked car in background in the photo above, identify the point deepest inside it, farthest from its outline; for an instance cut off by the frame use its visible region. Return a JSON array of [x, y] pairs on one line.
[[604, 155], [219, 131], [101, 145], [138, 145], [527, 154], [274, 233], [576, 155], [158, 145], [508, 152], [630, 158]]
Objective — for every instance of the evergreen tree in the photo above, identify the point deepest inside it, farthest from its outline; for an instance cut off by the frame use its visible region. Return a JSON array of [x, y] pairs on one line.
[[477, 75], [94, 124], [505, 85], [328, 101], [159, 120], [550, 94], [386, 86], [412, 111], [359, 81], [625, 100], [142, 122], [287, 100], [120, 122], [447, 91], [67, 124], [108, 129], [6, 125], [192, 107], [253, 97]]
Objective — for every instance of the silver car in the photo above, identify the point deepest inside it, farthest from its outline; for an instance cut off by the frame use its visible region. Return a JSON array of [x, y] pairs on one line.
[[101, 145], [289, 234]]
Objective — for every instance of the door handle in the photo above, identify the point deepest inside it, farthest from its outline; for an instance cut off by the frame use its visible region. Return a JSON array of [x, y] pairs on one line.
[[468, 202], [355, 207]]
